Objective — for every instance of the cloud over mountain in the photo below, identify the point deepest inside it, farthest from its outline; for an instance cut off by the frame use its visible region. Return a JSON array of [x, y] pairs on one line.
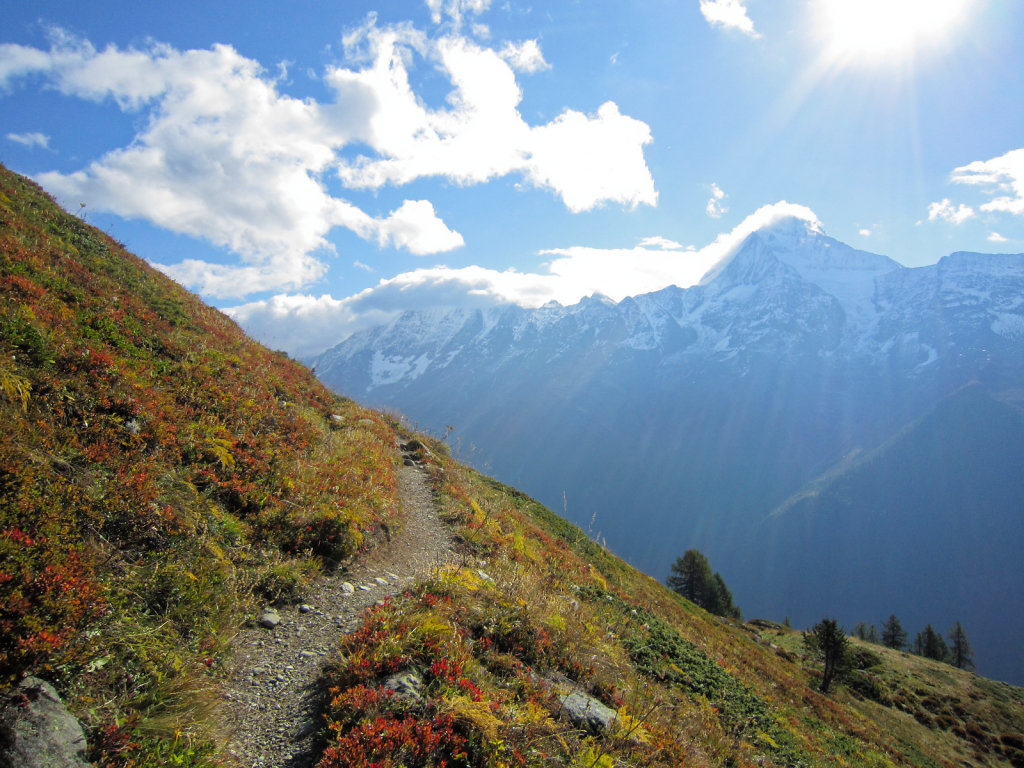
[[305, 325], [226, 155]]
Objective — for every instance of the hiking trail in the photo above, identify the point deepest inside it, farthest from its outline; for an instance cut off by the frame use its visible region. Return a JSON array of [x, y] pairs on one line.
[[272, 689]]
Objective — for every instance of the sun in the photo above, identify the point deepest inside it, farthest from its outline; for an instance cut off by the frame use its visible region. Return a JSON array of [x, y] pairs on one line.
[[872, 30]]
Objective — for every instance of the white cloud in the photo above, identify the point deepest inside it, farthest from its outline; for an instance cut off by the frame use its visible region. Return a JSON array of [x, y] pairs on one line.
[[1004, 174], [586, 159], [663, 243], [454, 10], [946, 211], [995, 237], [306, 325], [224, 155], [716, 203], [731, 14], [34, 139], [20, 60], [591, 159], [864, 232], [621, 272], [524, 57], [302, 325], [416, 227]]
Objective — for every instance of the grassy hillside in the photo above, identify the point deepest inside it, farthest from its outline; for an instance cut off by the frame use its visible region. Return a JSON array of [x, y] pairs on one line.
[[161, 474]]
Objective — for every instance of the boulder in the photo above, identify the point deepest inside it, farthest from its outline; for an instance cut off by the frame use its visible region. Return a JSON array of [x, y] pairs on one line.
[[37, 731], [586, 712]]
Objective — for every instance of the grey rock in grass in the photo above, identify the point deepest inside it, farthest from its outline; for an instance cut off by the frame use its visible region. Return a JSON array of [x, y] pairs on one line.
[[408, 685], [37, 730], [587, 712]]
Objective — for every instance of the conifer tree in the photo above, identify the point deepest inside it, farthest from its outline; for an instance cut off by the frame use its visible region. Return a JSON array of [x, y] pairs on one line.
[[929, 643], [722, 603], [828, 642], [692, 578], [893, 634], [960, 652]]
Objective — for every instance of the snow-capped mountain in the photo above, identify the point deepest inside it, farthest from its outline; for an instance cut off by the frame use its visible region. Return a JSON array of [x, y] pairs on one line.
[[682, 418], [787, 288]]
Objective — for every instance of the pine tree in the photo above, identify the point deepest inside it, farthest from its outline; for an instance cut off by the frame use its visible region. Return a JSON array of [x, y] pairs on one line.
[[828, 642], [960, 652], [929, 643], [722, 604], [893, 634], [866, 632], [692, 578]]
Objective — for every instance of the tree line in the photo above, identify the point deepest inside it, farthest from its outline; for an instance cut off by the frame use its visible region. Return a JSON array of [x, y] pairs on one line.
[[691, 576], [828, 642], [929, 642]]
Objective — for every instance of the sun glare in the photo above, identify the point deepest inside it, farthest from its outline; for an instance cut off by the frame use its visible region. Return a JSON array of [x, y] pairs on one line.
[[885, 29]]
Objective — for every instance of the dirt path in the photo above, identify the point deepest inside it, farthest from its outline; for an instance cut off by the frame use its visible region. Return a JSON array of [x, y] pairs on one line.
[[272, 688]]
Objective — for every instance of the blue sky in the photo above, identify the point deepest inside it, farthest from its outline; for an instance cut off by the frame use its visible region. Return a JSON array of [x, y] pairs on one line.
[[316, 167]]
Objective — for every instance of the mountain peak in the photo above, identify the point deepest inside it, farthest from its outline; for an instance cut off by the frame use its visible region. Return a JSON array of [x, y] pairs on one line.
[[790, 229]]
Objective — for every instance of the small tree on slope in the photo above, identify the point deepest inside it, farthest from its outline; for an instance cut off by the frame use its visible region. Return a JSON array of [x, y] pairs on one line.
[[893, 634], [828, 642], [960, 652], [692, 578], [929, 643]]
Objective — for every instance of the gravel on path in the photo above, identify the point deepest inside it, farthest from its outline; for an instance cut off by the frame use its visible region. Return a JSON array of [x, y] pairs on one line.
[[272, 688]]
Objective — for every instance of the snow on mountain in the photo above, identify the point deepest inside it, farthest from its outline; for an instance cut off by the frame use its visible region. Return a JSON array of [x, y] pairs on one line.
[[787, 288]]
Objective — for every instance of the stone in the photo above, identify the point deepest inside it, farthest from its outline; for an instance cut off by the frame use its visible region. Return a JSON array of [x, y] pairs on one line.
[[305, 608], [347, 588], [270, 619], [587, 712], [407, 685], [37, 731]]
